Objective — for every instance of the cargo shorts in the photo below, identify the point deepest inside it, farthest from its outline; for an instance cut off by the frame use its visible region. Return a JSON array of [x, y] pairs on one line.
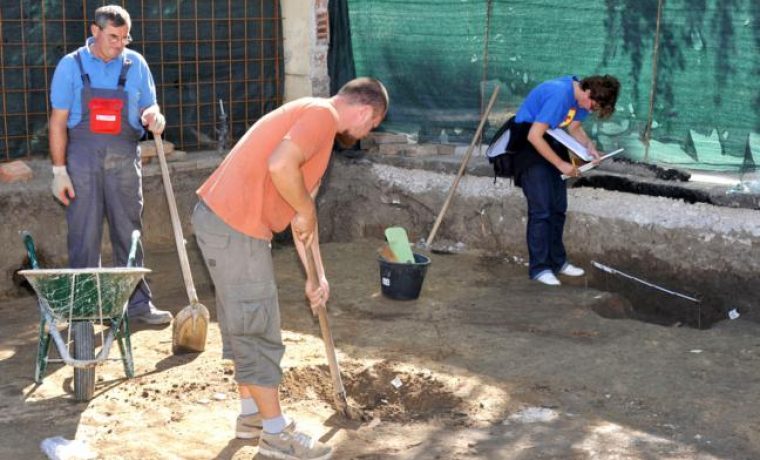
[[247, 308]]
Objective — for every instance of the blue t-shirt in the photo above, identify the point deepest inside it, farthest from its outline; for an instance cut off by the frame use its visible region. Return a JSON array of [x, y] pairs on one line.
[[66, 87], [552, 102]]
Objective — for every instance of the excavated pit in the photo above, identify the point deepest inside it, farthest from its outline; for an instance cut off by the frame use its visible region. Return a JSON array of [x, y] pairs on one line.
[[623, 298], [631, 300], [383, 390]]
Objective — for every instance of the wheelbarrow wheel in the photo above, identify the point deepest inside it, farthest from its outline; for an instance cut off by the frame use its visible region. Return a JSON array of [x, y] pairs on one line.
[[83, 334]]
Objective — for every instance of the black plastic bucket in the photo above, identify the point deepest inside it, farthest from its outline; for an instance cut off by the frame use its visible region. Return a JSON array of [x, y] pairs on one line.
[[403, 281]]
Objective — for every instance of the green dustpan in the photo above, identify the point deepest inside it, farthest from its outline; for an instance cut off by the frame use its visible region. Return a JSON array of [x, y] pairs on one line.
[[399, 244]]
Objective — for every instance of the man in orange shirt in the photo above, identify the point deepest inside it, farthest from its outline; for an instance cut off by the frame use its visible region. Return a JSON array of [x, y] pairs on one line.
[[267, 182]]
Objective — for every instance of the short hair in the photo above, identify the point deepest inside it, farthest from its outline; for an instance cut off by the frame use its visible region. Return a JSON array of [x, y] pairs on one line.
[[113, 14], [604, 91], [366, 91]]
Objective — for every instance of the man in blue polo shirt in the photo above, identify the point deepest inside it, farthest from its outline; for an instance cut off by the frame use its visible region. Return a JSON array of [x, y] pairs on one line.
[[102, 95], [540, 161]]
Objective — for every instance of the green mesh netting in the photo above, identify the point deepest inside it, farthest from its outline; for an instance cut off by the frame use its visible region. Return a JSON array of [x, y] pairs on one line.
[[441, 59], [88, 293]]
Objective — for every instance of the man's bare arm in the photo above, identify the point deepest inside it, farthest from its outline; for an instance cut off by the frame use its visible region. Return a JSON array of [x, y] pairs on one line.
[[58, 136]]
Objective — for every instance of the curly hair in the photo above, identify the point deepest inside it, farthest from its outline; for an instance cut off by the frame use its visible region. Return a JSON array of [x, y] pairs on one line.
[[604, 91]]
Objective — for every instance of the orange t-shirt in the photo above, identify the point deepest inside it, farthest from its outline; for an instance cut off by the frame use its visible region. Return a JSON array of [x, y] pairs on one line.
[[241, 191]]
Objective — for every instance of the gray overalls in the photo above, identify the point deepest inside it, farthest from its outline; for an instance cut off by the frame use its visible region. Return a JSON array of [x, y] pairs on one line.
[[103, 161]]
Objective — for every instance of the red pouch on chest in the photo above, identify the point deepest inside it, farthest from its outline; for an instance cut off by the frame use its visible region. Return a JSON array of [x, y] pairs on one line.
[[105, 115]]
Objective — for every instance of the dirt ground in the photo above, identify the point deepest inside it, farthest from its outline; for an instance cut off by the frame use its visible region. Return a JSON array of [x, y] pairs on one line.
[[490, 365]]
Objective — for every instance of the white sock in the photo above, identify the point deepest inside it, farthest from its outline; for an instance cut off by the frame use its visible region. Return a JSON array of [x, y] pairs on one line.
[[248, 406], [275, 425]]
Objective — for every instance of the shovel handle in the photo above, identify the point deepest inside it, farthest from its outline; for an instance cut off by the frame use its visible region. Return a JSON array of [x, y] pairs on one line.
[[339, 391], [184, 262], [462, 167]]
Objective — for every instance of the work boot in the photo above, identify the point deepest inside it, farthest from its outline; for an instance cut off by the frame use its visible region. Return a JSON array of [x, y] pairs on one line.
[[548, 278], [153, 316], [571, 270], [292, 445], [248, 426]]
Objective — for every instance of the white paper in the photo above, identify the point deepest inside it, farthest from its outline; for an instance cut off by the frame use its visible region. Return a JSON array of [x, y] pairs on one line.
[[570, 142]]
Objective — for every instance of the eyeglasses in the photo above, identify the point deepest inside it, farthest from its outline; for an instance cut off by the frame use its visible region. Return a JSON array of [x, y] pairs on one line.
[[113, 38]]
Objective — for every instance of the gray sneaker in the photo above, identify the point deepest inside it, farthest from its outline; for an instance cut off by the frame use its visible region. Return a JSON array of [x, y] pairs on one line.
[[153, 316], [292, 445], [248, 426]]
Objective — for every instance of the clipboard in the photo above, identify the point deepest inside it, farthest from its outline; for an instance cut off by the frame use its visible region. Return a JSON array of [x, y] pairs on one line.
[[564, 138]]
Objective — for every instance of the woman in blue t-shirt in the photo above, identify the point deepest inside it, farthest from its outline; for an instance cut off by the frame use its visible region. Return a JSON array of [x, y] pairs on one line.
[[540, 161]]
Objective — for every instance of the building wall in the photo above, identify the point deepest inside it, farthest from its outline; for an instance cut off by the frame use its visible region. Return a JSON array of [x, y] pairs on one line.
[[306, 38]]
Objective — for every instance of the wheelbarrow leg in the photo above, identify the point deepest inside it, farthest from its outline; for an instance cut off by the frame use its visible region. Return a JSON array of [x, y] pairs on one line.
[[125, 345], [42, 352]]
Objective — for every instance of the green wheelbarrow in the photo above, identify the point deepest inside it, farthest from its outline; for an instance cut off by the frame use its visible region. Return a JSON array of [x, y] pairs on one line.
[[80, 298]]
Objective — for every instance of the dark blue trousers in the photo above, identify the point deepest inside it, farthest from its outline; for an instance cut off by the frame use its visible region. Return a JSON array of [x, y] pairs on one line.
[[546, 193], [108, 184]]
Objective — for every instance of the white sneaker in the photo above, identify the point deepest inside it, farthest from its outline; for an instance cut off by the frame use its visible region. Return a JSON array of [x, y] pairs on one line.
[[571, 270], [292, 445], [548, 278]]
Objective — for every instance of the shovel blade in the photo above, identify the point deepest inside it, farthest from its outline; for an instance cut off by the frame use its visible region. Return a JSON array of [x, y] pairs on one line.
[[189, 329]]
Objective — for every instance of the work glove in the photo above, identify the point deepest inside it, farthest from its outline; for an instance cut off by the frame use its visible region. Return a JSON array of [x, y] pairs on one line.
[[62, 187], [157, 122]]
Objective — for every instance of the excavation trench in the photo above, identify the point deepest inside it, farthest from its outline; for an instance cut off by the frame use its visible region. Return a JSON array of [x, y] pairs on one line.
[[665, 233], [630, 299]]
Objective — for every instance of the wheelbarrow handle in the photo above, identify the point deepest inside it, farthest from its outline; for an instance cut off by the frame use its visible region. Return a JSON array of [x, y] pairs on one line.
[[133, 248], [29, 243]]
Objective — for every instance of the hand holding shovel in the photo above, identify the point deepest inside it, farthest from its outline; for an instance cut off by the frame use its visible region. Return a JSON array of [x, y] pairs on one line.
[[339, 392]]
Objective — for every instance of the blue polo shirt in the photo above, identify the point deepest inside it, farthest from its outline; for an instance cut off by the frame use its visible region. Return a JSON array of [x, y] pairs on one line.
[[552, 102], [66, 87]]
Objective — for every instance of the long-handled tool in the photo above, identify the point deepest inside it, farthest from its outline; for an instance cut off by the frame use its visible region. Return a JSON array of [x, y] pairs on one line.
[[191, 323], [339, 392], [465, 160]]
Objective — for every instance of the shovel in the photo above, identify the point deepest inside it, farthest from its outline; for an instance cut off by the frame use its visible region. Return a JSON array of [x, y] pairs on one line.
[[339, 392], [190, 326]]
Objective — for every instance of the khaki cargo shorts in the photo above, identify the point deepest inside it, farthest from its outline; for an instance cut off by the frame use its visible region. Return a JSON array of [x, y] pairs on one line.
[[246, 298]]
